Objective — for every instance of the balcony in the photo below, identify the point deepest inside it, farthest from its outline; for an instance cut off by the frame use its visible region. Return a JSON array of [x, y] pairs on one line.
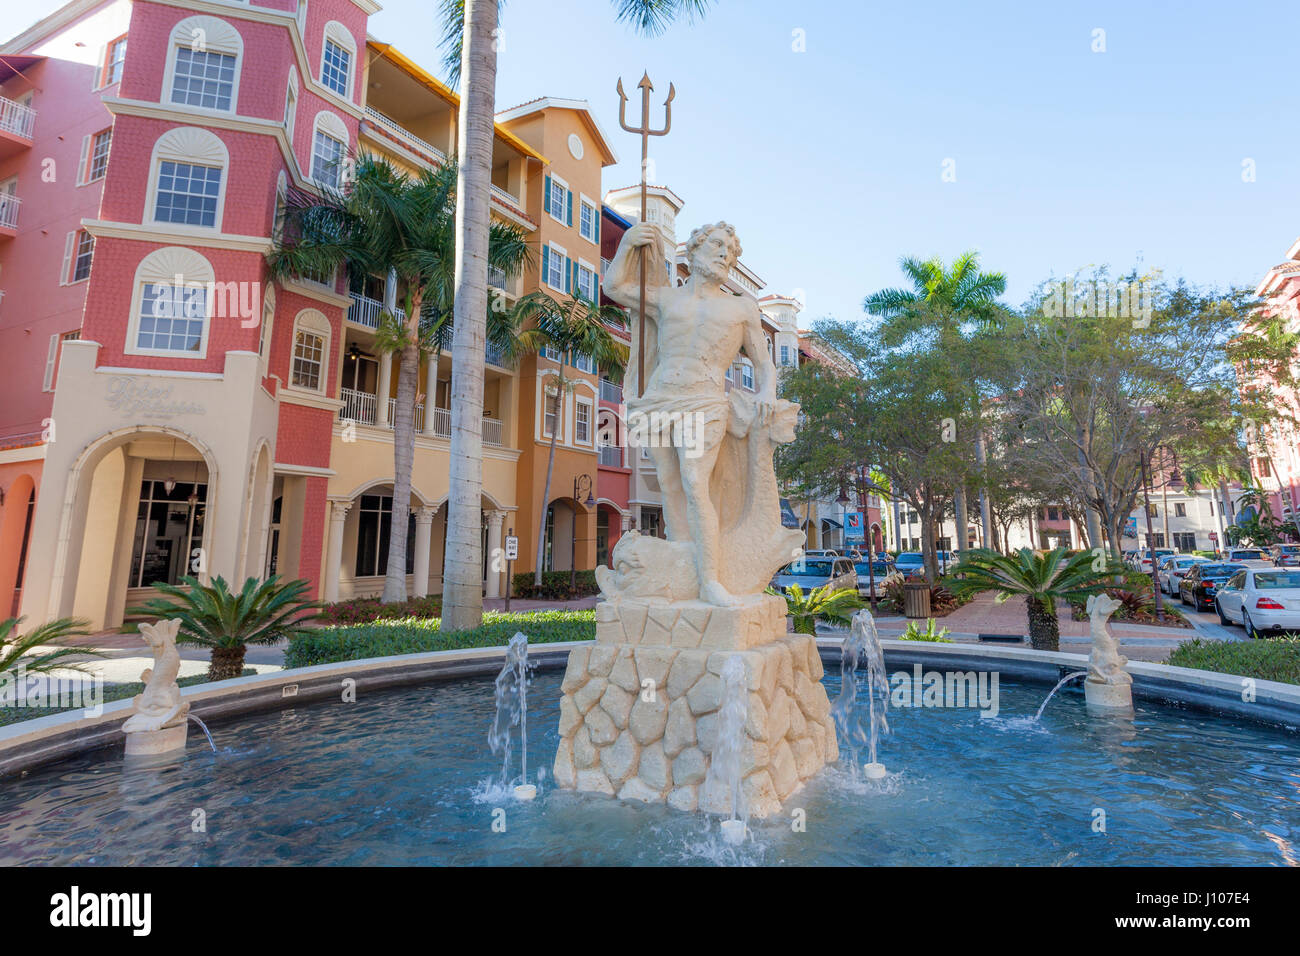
[[611, 392], [406, 137], [503, 200], [611, 456], [365, 311], [9, 206], [494, 356], [16, 125], [362, 407]]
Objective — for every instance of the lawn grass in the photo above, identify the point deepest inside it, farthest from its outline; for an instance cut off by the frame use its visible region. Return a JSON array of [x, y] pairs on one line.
[[1273, 658], [327, 645]]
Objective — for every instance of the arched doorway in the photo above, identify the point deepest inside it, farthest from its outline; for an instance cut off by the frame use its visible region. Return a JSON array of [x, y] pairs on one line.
[[16, 515]]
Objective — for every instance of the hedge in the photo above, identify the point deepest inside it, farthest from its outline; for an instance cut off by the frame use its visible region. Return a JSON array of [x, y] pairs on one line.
[[365, 610], [327, 645], [1273, 658], [555, 585]]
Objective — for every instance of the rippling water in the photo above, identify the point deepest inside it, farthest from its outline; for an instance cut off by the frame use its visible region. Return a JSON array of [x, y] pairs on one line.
[[403, 777]]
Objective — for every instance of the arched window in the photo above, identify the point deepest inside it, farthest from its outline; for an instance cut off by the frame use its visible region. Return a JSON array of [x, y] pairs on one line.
[[171, 304], [329, 149], [281, 206], [264, 333], [311, 340], [203, 63], [338, 59], [187, 180], [291, 104]]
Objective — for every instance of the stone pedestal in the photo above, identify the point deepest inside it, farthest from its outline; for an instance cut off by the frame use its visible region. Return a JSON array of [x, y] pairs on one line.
[[639, 716], [1111, 698], [148, 743]]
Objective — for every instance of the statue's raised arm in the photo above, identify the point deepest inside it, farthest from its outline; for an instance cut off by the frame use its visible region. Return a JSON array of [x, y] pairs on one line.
[[623, 285]]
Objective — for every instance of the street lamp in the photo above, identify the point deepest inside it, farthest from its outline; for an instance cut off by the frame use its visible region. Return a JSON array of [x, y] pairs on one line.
[[581, 484]]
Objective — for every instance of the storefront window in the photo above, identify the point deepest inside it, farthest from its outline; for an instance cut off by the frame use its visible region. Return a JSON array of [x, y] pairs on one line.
[[168, 533]]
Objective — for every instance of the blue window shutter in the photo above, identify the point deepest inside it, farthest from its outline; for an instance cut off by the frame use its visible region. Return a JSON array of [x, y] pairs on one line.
[[546, 194], [595, 230], [546, 268], [570, 216], [568, 276]]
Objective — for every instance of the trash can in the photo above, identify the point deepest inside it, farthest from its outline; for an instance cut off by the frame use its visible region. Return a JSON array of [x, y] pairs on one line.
[[916, 599]]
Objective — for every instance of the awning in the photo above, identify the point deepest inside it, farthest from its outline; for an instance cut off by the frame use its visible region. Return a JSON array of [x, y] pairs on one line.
[[831, 523]]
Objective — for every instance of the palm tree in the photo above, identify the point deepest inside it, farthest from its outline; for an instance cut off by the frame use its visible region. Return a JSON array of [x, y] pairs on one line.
[[946, 299], [820, 604], [213, 616], [469, 43], [15, 647], [387, 221], [574, 328], [1043, 579]]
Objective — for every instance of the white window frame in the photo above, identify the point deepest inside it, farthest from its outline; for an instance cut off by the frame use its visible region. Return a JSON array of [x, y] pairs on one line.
[[585, 202], [585, 268], [330, 125], [217, 36], [291, 105], [87, 171], [199, 147], [105, 73], [551, 263], [161, 267], [341, 37], [563, 217], [590, 407], [544, 403], [76, 254], [311, 322]]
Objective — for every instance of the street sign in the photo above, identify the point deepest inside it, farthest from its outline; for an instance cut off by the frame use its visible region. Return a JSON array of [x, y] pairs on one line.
[[854, 527], [512, 547]]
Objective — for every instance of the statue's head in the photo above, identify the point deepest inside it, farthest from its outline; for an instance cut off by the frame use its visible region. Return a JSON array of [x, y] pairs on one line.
[[712, 250], [1102, 604]]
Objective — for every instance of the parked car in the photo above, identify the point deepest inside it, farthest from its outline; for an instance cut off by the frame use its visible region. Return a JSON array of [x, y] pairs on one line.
[[1286, 555], [909, 563], [879, 569], [811, 573], [1260, 600], [1173, 569], [1142, 559], [1198, 587], [1251, 557], [822, 553]]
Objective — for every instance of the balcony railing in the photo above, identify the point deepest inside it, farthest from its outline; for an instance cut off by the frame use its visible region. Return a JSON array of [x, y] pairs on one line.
[[492, 431], [611, 456], [497, 278], [361, 408], [365, 311], [494, 355], [611, 392], [9, 205], [16, 118], [404, 133], [419, 414], [358, 406], [506, 198]]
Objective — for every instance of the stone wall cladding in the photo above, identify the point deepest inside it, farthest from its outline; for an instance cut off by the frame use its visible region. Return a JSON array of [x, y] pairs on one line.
[[639, 720]]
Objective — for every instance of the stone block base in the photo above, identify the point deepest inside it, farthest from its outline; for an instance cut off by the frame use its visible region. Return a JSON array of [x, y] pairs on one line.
[[142, 743], [1115, 698], [640, 721], [759, 619]]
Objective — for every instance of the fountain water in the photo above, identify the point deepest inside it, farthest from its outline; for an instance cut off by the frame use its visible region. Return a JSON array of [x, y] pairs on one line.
[[512, 711], [204, 728], [727, 760], [1059, 684], [862, 642]]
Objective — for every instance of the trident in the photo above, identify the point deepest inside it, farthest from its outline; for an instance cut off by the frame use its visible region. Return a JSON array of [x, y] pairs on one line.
[[645, 132]]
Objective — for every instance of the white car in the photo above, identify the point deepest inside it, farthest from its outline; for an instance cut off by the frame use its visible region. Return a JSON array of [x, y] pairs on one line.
[[1142, 559], [822, 553], [1173, 569], [1262, 600], [1250, 557], [811, 573]]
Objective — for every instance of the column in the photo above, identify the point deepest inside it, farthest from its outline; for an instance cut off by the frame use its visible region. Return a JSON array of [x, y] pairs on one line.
[[496, 553], [430, 391], [334, 559], [423, 534], [624, 522], [383, 388]]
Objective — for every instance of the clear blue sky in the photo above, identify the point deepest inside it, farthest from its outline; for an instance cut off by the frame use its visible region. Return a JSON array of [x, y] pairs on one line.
[[829, 161]]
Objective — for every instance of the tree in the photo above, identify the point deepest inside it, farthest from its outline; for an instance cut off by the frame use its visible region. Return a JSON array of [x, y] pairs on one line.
[[571, 329], [1042, 579], [470, 44], [384, 221], [213, 616], [953, 302]]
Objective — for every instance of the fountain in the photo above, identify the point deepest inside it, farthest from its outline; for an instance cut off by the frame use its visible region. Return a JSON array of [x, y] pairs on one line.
[[862, 642], [1059, 684], [512, 711], [157, 724], [206, 733], [725, 770], [1109, 687]]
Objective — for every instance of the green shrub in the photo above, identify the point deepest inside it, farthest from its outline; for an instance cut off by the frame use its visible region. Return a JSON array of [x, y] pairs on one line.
[[929, 635], [417, 635], [365, 610], [555, 585], [1274, 658]]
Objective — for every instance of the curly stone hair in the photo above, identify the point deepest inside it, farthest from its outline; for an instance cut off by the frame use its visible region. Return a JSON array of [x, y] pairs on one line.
[[700, 234]]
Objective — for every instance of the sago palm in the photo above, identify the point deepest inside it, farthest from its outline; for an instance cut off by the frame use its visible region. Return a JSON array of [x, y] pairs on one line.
[[384, 220], [834, 606], [571, 329], [1043, 579], [17, 650], [213, 616], [470, 41]]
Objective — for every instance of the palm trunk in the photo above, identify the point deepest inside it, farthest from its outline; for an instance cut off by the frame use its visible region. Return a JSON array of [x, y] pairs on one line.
[[226, 663], [1044, 631], [960, 502], [462, 580], [546, 489], [408, 373]]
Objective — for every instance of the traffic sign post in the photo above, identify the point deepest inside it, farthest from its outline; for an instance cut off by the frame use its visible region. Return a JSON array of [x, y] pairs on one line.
[[512, 552]]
